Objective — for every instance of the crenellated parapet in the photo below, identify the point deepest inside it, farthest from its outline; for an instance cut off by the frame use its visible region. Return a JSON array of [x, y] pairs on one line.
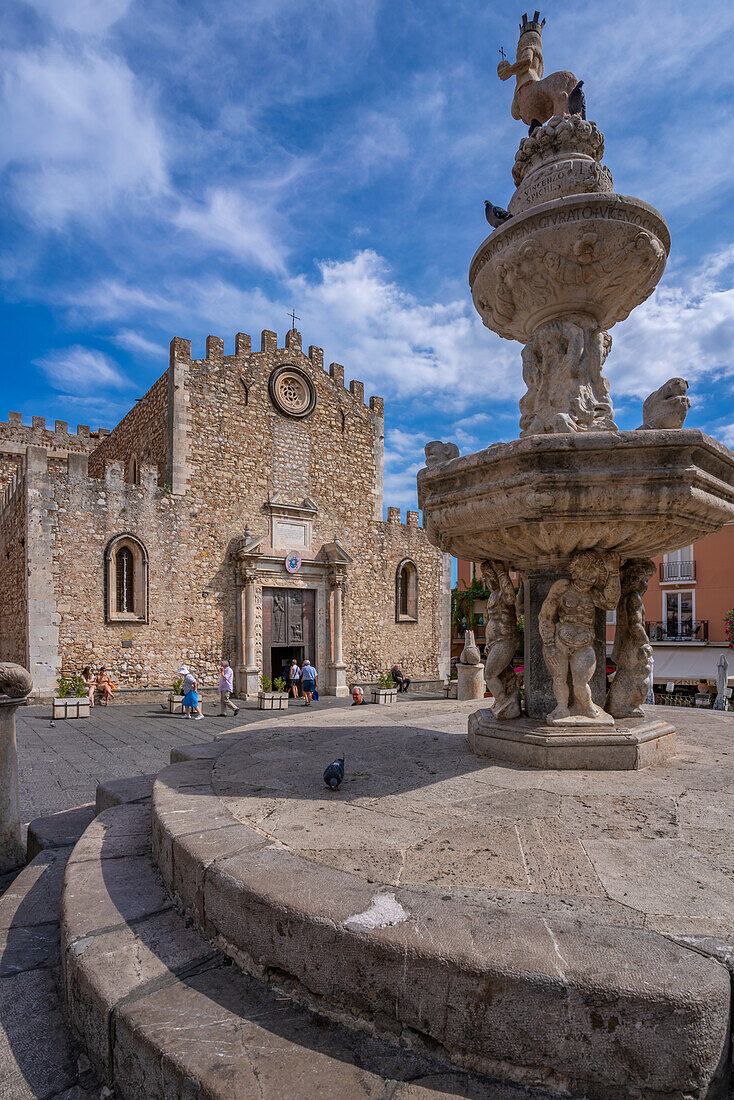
[[215, 356]]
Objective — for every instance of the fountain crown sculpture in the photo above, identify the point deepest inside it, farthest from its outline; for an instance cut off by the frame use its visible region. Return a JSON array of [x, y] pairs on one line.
[[538, 98]]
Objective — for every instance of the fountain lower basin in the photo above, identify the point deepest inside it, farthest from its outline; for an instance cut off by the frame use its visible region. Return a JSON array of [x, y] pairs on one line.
[[541, 499]]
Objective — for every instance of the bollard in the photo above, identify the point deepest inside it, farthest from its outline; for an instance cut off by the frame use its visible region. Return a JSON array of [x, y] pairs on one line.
[[16, 685]]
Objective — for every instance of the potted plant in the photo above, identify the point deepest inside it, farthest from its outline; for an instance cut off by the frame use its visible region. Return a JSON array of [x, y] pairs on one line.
[[175, 697], [71, 699], [386, 691], [273, 694]]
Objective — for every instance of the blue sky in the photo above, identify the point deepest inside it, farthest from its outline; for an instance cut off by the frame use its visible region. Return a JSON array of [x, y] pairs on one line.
[[180, 168]]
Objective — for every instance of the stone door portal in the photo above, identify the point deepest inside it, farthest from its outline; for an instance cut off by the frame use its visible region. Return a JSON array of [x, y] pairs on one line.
[[288, 628]]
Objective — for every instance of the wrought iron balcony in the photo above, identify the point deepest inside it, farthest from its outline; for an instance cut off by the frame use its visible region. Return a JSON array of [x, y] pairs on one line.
[[695, 631], [677, 570]]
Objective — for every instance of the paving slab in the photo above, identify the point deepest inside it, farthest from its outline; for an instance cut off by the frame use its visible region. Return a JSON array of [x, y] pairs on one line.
[[575, 872]]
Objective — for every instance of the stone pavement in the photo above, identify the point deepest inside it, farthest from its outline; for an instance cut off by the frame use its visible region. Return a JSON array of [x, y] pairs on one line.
[[61, 764], [649, 848]]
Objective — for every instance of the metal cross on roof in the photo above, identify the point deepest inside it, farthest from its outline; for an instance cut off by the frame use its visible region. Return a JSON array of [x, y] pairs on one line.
[[502, 52], [293, 318]]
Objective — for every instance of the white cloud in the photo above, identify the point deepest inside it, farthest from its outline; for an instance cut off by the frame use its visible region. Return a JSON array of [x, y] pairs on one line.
[[79, 136], [236, 225], [91, 17], [74, 370], [133, 341], [685, 329], [113, 300]]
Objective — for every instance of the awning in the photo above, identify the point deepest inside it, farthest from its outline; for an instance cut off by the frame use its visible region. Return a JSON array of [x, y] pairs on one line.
[[688, 661]]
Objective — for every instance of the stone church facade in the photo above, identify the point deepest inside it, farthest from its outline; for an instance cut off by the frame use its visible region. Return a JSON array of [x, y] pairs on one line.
[[236, 511]]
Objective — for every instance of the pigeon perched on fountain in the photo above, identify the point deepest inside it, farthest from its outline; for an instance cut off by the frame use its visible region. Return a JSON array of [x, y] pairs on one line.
[[496, 215], [334, 774], [577, 101]]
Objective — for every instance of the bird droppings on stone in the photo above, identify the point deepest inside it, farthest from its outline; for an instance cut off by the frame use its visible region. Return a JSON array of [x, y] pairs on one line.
[[384, 911]]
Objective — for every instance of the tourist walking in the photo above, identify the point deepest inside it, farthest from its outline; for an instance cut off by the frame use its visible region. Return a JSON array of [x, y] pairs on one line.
[[190, 706], [226, 687], [88, 678], [105, 687], [309, 680], [294, 675], [403, 683]]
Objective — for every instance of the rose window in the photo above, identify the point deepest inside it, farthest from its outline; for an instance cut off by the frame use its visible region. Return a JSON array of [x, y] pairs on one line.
[[292, 391]]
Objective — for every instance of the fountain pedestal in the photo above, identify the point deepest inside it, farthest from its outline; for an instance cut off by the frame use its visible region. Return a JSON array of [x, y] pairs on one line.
[[628, 745]]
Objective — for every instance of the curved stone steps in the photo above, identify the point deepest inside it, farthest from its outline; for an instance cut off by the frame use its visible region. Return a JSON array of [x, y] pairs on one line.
[[163, 1014], [588, 1009], [40, 1058]]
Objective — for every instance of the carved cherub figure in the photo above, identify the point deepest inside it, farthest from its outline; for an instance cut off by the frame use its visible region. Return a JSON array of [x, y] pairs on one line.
[[632, 652], [539, 98], [502, 637], [566, 623]]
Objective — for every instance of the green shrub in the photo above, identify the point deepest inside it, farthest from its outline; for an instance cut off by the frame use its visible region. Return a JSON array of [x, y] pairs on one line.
[[266, 683], [70, 687], [385, 680], [279, 684], [178, 686]]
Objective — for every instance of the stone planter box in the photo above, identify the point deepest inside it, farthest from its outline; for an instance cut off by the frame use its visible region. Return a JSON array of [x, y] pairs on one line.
[[272, 700], [384, 695], [174, 703], [71, 708]]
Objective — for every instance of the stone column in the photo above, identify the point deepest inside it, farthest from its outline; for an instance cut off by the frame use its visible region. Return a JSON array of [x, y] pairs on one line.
[[337, 668], [15, 680], [539, 698], [249, 673]]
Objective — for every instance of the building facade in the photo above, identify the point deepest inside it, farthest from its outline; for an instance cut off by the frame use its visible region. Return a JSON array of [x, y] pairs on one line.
[[236, 511]]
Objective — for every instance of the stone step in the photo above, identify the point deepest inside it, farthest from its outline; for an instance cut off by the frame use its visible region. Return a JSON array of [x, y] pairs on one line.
[[595, 1010], [40, 1058], [61, 830], [163, 1014], [117, 792]]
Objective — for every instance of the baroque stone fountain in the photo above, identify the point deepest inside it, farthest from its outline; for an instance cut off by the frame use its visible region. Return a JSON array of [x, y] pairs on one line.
[[575, 506]]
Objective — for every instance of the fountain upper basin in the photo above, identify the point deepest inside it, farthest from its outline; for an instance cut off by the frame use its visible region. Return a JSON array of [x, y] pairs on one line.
[[536, 501], [595, 254]]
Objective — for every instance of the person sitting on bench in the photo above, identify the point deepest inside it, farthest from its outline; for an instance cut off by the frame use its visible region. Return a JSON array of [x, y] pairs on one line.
[[402, 682]]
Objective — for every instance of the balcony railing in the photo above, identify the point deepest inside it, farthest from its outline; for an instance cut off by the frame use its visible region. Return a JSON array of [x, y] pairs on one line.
[[696, 631], [677, 570]]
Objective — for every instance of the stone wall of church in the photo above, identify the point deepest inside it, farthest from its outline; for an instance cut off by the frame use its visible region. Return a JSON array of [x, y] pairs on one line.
[[71, 519], [233, 457], [374, 641], [13, 634], [140, 434], [15, 437]]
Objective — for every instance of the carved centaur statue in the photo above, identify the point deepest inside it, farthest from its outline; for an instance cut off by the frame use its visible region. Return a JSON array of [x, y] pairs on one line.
[[538, 98]]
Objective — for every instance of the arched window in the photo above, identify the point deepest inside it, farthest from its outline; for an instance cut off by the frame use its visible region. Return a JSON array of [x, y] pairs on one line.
[[406, 592], [133, 471], [125, 572], [126, 580]]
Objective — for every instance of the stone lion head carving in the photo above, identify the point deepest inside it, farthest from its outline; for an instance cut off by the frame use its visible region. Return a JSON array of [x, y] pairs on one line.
[[438, 453], [668, 406]]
